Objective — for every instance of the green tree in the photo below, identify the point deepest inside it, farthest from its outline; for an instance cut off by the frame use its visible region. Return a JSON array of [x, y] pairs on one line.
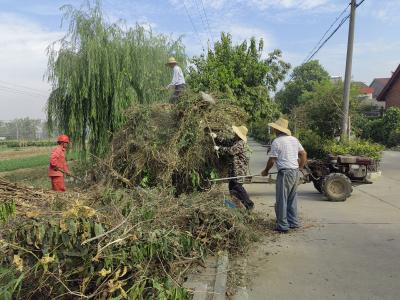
[[241, 73], [99, 71], [303, 79], [384, 130], [21, 129], [321, 109]]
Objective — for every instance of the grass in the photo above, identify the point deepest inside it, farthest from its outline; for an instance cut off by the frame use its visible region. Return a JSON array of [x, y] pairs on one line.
[[36, 177], [31, 171], [28, 162], [23, 163]]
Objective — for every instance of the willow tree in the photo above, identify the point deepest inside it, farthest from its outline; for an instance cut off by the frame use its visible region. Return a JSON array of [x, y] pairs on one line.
[[97, 70]]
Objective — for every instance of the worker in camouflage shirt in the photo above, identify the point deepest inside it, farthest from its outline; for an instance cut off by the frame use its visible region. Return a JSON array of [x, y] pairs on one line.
[[239, 162]]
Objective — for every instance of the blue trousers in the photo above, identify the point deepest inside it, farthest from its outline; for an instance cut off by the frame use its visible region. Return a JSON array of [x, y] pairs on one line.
[[286, 199]]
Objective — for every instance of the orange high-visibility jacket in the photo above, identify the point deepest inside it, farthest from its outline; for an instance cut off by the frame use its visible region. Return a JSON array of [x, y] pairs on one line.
[[57, 159]]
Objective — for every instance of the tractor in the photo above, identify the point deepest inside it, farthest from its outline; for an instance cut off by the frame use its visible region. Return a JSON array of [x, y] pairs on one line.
[[336, 176]]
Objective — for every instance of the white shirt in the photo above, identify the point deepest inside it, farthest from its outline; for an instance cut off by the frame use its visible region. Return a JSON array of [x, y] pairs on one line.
[[286, 149], [177, 78]]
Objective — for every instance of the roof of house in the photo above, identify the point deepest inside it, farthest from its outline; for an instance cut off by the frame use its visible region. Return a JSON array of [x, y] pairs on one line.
[[367, 90], [389, 84]]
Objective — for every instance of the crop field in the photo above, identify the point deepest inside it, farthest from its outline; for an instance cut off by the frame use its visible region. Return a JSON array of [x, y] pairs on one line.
[[27, 165]]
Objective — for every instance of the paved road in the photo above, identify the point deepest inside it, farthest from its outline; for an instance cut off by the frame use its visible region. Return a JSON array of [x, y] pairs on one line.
[[350, 251]]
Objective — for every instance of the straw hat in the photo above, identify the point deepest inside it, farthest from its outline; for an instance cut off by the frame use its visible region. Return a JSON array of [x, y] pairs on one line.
[[241, 132], [281, 125], [171, 60]]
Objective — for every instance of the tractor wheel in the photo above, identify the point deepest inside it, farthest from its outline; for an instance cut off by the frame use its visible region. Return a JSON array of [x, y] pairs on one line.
[[318, 185], [337, 187]]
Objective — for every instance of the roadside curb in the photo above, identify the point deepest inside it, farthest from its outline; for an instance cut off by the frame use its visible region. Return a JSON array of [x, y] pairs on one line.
[[221, 277]]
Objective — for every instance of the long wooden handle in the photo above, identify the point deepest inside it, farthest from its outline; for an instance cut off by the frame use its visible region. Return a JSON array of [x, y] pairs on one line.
[[215, 144]]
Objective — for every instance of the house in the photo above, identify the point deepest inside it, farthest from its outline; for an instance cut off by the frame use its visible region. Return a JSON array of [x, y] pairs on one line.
[[366, 93], [390, 94], [367, 97], [336, 79], [378, 84]]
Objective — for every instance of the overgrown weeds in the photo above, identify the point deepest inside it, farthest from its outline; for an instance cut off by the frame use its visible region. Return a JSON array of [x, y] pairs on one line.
[[135, 244]]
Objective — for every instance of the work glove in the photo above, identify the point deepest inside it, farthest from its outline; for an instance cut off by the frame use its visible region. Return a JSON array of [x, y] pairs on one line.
[[213, 135], [216, 148]]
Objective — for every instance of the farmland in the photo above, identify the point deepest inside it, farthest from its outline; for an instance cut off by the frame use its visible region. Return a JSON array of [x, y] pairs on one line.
[[27, 165]]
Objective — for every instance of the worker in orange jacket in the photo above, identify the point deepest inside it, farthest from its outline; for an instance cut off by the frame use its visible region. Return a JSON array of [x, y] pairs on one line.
[[58, 164]]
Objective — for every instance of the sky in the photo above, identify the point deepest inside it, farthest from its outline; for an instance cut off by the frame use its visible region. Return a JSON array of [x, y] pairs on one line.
[[27, 27]]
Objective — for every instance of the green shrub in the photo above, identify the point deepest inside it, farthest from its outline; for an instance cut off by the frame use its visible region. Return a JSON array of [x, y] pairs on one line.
[[394, 138], [354, 147], [260, 131], [319, 148], [383, 130], [312, 143]]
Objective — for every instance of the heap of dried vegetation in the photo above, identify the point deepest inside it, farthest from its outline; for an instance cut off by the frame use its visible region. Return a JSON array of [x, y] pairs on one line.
[[135, 244], [137, 232], [167, 145]]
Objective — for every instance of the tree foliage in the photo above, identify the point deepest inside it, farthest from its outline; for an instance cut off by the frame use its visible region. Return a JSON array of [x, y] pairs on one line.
[[98, 69], [321, 109], [384, 130], [20, 129], [304, 79], [241, 73]]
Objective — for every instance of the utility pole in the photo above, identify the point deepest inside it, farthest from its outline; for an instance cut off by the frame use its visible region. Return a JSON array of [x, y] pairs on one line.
[[347, 78]]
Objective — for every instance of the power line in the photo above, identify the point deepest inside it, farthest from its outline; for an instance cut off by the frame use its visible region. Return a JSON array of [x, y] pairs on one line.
[[337, 28], [200, 14], [20, 92], [21, 86], [208, 23], [194, 26], [357, 5], [329, 37], [326, 32]]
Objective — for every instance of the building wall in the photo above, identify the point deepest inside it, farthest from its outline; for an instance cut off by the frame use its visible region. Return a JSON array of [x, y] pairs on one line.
[[393, 95]]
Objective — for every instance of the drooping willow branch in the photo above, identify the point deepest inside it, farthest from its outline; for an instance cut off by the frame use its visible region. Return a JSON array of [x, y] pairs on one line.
[[97, 70]]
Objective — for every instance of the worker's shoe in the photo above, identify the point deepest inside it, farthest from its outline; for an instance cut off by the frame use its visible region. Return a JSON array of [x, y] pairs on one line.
[[281, 230]]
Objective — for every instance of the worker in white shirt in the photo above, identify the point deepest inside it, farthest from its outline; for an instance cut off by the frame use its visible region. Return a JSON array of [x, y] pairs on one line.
[[289, 156], [178, 81]]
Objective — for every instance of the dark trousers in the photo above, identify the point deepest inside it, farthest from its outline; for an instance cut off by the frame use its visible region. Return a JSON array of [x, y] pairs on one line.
[[177, 93], [236, 189]]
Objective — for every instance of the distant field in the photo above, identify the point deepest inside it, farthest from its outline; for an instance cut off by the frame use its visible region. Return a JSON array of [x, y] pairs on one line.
[[10, 153], [27, 165], [30, 161]]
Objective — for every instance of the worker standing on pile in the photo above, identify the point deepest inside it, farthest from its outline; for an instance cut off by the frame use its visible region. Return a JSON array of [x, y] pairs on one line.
[[289, 155], [178, 80], [58, 164], [239, 162]]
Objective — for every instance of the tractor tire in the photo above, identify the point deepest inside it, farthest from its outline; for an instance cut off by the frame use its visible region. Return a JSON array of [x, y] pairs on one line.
[[318, 185], [337, 187]]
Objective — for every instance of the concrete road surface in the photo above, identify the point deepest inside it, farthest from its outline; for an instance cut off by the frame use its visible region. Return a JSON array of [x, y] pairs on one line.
[[350, 250]]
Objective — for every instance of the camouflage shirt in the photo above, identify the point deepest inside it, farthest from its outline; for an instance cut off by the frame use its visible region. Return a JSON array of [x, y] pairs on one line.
[[239, 162]]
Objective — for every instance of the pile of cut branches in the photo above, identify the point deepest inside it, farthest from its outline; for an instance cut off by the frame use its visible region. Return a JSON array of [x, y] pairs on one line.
[[135, 244], [169, 146]]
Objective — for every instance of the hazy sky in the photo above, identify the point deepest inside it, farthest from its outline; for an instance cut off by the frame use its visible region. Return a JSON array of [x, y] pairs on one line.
[[294, 26]]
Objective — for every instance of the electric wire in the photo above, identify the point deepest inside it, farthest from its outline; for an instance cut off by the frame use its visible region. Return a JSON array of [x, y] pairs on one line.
[[20, 92], [193, 25], [208, 22], [21, 86], [357, 5], [331, 35], [326, 32]]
